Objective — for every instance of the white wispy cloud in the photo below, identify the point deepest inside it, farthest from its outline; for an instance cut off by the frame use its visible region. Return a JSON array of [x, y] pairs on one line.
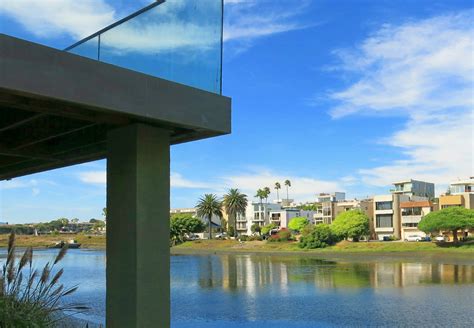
[[21, 183], [302, 188], [160, 30], [176, 180], [93, 177], [424, 71], [246, 20], [50, 18]]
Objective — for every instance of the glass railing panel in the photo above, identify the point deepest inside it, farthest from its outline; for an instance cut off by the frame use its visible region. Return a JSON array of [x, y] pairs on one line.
[[89, 48], [177, 40]]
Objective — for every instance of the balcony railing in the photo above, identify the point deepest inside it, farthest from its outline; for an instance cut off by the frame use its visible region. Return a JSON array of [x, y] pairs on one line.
[[180, 41]]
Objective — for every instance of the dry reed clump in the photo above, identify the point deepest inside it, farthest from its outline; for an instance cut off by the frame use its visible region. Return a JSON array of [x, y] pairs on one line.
[[32, 298]]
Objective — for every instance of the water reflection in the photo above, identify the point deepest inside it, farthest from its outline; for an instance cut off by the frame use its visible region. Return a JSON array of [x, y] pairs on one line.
[[249, 273]]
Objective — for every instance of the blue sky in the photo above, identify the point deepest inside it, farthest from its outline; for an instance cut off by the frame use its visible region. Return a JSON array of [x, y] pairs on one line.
[[333, 95]]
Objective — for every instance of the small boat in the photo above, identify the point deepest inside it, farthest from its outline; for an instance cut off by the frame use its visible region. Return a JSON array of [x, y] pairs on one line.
[[70, 244]]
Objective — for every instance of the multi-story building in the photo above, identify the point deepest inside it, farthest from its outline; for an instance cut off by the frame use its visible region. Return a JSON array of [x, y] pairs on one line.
[[266, 213], [326, 203], [411, 214], [387, 215], [461, 193], [414, 188], [387, 211]]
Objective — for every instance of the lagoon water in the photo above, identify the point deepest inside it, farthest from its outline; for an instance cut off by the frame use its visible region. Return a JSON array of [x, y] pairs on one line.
[[293, 292]]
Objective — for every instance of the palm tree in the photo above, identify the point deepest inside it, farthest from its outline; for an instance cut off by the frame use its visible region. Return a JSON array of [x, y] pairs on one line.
[[266, 192], [261, 195], [235, 203], [277, 187], [207, 206], [287, 184]]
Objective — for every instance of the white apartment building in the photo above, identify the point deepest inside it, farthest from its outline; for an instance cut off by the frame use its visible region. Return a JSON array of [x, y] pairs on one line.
[[266, 213]]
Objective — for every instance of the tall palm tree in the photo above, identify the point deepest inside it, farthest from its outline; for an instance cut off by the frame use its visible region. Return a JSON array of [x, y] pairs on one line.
[[207, 206], [287, 184], [235, 203], [261, 195], [267, 193], [277, 187]]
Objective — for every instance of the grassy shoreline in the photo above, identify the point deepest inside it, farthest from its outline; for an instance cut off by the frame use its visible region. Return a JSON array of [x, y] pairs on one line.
[[257, 247], [44, 241], [291, 248]]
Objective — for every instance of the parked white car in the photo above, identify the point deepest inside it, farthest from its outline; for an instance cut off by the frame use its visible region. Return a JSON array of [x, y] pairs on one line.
[[413, 238], [222, 235], [441, 238]]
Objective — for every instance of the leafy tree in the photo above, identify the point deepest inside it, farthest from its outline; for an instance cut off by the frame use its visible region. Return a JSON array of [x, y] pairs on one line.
[[57, 224], [235, 203], [320, 237], [351, 224], [207, 206], [267, 228], [255, 228], [287, 184], [98, 224], [277, 188], [451, 218], [182, 224], [297, 224]]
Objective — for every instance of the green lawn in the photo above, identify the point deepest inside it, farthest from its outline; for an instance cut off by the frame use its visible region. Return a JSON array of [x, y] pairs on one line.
[[348, 247]]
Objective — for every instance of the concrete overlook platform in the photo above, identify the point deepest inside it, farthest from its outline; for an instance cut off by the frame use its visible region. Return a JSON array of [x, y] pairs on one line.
[[56, 108]]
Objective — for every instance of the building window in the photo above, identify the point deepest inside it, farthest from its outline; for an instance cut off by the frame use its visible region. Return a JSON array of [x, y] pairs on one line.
[[453, 205], [383, 205], [383, 221], [411, 211], [276, 216], [410, 225]]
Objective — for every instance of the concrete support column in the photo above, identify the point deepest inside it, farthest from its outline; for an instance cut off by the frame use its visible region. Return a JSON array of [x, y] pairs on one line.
[[138, 258]]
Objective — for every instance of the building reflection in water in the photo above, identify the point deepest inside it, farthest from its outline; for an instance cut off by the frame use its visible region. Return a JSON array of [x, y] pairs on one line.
[[250, 273]]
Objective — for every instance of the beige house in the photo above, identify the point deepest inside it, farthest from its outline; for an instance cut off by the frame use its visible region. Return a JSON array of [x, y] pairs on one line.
[[461, 193], [326, 212], [411, 214]]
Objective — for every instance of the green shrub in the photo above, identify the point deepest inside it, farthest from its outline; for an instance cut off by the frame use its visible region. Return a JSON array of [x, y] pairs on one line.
[[32, 298], [282, 235], [266, 229], [297, 224], [231, 231], [320, 237], [255, 238], [256, 228], [307, 230], [244, 238]]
